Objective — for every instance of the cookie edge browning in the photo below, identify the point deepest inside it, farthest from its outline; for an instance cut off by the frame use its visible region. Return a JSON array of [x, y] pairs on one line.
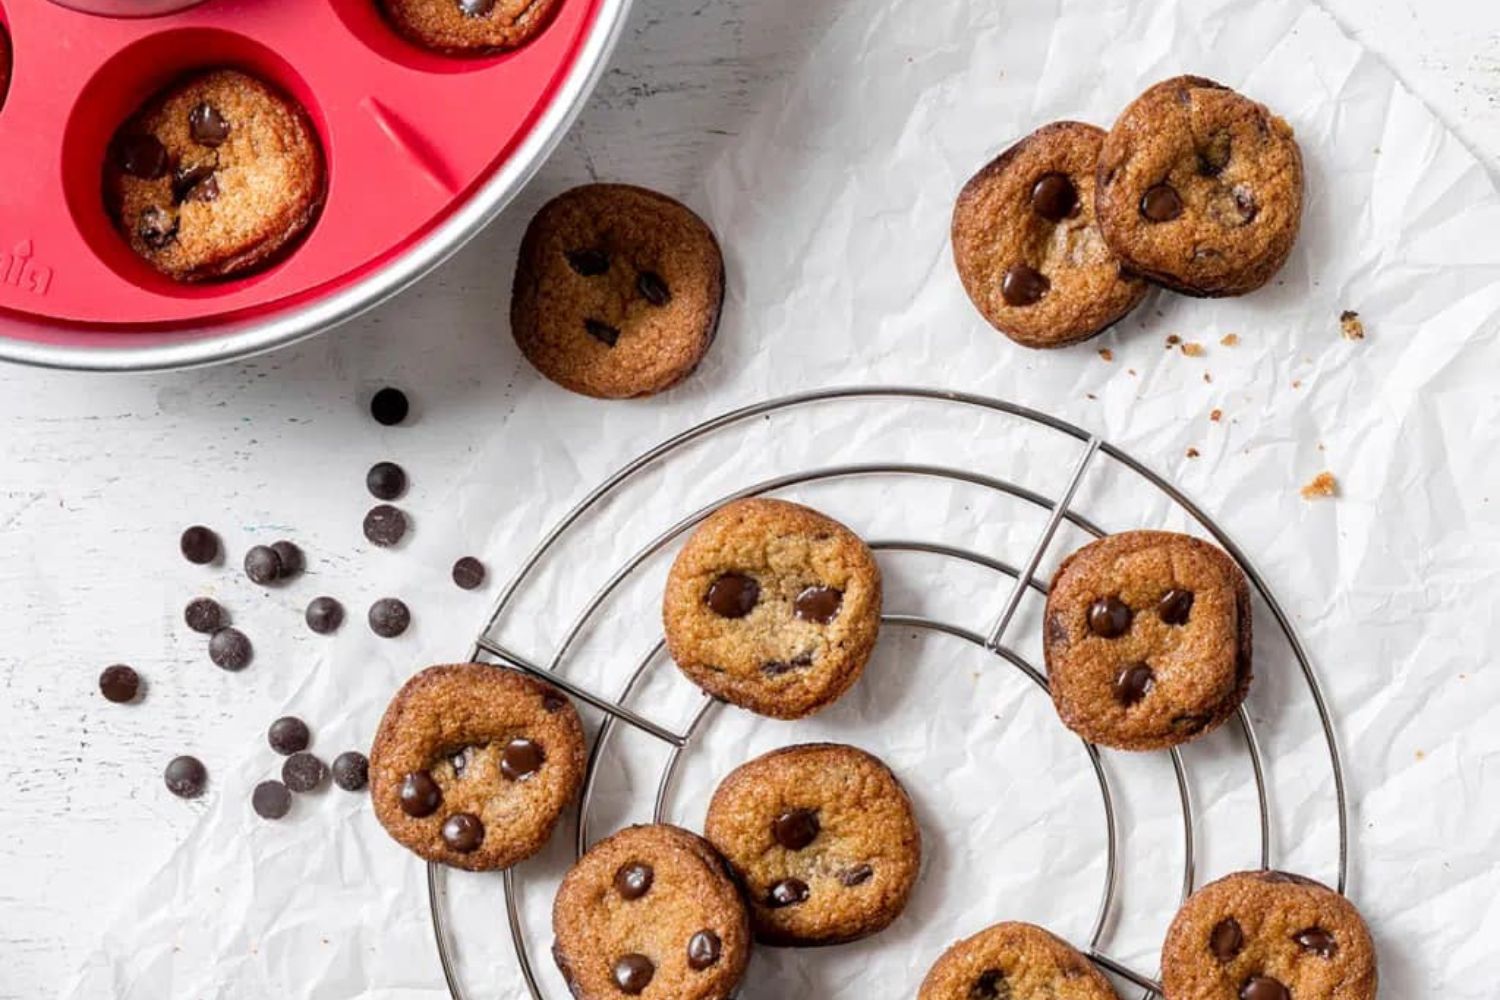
[[529, 251], [743, 774], [1252, 278], [536, 24], [1022, 930], [713, 862], [387, 807], [1244, 663], [1176, 949], [858, 656]]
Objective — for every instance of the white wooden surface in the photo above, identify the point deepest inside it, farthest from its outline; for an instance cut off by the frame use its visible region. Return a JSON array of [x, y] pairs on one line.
[[98, 474]]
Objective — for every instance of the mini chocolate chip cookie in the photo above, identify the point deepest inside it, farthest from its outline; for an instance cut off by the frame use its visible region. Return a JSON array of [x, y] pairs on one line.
[[473, 764], [772, 607], [215, 176], [468, 27], [617, 291], [1147, 639], [1014, 961], [1027, 248], [650, 911], [823, 839], [1200, 189], [1268, 935]]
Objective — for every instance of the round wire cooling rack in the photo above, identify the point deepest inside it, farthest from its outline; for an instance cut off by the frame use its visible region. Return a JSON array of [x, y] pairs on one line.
[[1058, 510]]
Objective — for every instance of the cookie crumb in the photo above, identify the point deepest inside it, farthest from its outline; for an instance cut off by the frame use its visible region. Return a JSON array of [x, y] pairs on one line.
[[1230, 340], [1193, 349], [1106, 354], [1192, 453], [1351, 326], [1322, 485], [1421, 755], [1173, 340], [1208, 377], [1216, 415], [1296, 383], [1090, 395], [1130, 371]]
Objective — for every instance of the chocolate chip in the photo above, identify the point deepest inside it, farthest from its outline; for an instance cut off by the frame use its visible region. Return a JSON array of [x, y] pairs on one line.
[[1057, 632], [187, 178], [207, 126], [205, 190], [1264, 988], [633, 880], [602, 332], [351, 770], [385, 480], [633, 973], [156, 228], [475, 8], [385, 525], [818, 604], [468, 573], [796, 828], [775, 668], [389, 617], [460, 761], [463, 832], [1226, 939], [1023, 285], [205, 615], [1213, 156], [185, 777], [389, 406], [420, 795], [288, 734], [271, 800], [200, 545], [1134, 683], [1054, 197], [858, 875], [324, 615], [990, 985], [521, 759], [1244, 204], [142, 156], [303, 772], [1161, 203], [1316, 940], [652, 288], [230, 649], [703, 950], [119, 683], [589, 262], [733, 595], [292, 560], [787, 892], [553, 701], [1174, 606], [262, 564], [1109, 617], [1191, 722]]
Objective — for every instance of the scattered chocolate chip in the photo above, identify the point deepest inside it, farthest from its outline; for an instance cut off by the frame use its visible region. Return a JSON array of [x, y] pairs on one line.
[[1134, 683], [1244, 204], [858, 875], [468, 573], [230, 649], [351, 770], [601, 331], [271, 800], [389, 406], [142, 156], [389, 617], [1175, 606], [796, 828], [990, 985], [156, 228], [703, 950], [262, 564], [733, 595], [1264, 988], [460, 761], [207, 126], [205, 615], [1316, 940], [1161, 203], [463, 832], [652, 288], [775, 668], [188, 177], [185, 777], [633, 973], [1226, 939], [1057, 632], [1190, 723], [1109, 617], [589, 262], [288, 734], [385, 480], [385, 525], [420, 795], [818, 604], [1023, 285], [633, 879], [1054, 197], [324, 615], [521, 759], [200, 545], [1213, 157], [303, 772], [119, 683], [787, 892], [292, 560], [553, 700], [206, 190]]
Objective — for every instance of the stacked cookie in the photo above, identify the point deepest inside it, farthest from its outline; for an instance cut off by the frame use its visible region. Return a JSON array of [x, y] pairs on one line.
[[1196, 188]]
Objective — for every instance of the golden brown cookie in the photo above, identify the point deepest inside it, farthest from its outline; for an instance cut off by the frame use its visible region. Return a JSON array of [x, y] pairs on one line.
[[1268, 935], [1027, 248], [215, 176], [822, 837], [468, 27], [773, 607], [1014, 961], [473, 764], [1200, 188], [1147, 639], [617, 291], [650, 911]]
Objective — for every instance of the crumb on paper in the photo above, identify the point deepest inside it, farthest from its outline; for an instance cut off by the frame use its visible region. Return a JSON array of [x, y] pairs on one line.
[[1322, 485], [1192, 453], [1216, 414], [1230, 339], [1296, 383], [1421, 755], [1130, 371], [1352, 327], [1208, 376], [1106, 354], [1193, 349], [1173, 340], [1090, 395]]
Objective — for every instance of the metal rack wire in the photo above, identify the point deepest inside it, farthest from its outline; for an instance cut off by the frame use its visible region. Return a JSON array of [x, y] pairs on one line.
[[1058, 510]]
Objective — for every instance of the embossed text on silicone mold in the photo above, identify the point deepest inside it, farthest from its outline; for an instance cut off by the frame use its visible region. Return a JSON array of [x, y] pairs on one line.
[[18, 269]]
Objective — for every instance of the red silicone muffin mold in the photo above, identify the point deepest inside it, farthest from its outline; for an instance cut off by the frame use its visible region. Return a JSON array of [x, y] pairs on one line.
[[407, 134]]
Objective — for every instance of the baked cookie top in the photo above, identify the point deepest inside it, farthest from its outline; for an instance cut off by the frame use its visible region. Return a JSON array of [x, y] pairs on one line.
[[469, 26], [1014, 961], [823, 839], [473, 764], [1200, 188], [1028, 250], [214, 176], [773, 607], [1268, 935], [617, 291], [1147, 639], [650, 911]]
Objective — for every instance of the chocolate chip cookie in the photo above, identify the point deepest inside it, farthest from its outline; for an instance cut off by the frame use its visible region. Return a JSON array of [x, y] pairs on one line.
[[773, 607], [617, 291], [1147, 639], [1028, 249], [215, 176], [473, 764], [1200, 188], [468, 27], [1014, 961], [650, 911], [822, 837], [1268, 935]]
